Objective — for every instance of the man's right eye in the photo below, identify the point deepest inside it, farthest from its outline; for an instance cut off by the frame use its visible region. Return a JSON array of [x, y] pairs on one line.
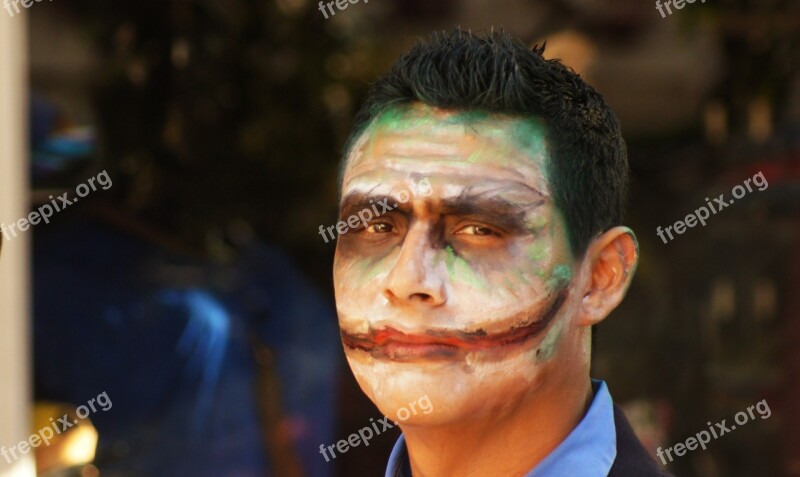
[[379, 228]]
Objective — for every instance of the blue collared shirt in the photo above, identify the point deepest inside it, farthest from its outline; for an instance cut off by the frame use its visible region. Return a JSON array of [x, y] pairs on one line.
[[589, 450]]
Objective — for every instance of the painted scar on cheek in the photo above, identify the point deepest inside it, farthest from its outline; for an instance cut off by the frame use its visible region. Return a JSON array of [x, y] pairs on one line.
[[391, 344], [550, 342]]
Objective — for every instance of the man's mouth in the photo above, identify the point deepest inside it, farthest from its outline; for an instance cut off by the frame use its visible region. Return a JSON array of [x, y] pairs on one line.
[[389, 343]]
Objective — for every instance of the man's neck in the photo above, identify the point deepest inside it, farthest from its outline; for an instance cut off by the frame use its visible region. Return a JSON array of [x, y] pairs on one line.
[[510, 444]]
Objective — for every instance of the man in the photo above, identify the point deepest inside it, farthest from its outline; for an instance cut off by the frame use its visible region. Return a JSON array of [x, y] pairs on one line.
[[482, 293]]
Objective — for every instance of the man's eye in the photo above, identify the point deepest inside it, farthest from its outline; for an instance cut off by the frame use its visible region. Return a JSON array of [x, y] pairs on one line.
[[477, 230], [380, 228]]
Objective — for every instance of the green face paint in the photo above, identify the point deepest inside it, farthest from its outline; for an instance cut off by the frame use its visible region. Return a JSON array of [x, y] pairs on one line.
[[401, 118], [528, 135], [560, 278], [460, 270], [537, 251], [521, 135], [371, 269], [550, 342]]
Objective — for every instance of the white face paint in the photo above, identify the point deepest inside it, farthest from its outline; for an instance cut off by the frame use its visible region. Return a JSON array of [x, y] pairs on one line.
[[462, 294]]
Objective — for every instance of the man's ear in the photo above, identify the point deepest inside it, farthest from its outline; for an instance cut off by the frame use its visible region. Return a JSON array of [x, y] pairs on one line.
[[609, 262]]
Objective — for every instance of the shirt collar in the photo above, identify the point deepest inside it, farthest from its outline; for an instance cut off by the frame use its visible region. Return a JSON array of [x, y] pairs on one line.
[[399, 465], [589, 450]]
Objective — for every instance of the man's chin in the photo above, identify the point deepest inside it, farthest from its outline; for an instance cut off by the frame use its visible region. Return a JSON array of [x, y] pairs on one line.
[[455, 389]]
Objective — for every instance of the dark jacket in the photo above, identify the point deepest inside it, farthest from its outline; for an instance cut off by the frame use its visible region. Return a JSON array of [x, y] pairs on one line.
[[632, 460]]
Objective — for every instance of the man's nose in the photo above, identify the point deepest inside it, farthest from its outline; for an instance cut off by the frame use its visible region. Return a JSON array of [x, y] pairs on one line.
[[417, 276]]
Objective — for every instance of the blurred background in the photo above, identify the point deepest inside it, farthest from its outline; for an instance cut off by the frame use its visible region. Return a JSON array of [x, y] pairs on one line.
[[196, 291]]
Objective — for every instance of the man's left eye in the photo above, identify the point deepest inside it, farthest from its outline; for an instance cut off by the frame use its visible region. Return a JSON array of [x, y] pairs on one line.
[[477, 230]]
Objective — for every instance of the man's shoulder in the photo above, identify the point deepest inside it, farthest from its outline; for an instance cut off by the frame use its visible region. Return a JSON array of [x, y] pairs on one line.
[[632, 459]]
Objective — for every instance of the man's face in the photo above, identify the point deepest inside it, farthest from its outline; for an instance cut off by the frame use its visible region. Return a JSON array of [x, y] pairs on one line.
[[461, 293]]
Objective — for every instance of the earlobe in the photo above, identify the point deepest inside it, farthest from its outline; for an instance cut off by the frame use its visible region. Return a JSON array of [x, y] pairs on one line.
[[610, 263]]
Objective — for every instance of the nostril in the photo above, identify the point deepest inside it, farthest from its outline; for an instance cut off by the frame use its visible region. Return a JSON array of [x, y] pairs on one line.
[[423, 297], [414, 297], [391, 297]]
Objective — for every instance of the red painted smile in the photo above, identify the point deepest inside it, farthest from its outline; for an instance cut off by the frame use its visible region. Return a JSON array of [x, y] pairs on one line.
[[389, 343]]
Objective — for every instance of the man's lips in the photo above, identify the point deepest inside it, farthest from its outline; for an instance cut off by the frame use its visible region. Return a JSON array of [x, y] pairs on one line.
[[389, 343]]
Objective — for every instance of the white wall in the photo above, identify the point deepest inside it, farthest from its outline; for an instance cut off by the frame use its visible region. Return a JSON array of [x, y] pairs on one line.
[[14, 277]]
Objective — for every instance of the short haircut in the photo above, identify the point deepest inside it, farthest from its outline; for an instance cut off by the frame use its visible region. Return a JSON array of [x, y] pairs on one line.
[[496, 73]]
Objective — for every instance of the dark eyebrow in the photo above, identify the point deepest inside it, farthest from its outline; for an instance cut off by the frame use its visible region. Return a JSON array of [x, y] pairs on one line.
[[472, 206], [350, 199], [355, 202], [486, 206], [471, 202], [494, 210]]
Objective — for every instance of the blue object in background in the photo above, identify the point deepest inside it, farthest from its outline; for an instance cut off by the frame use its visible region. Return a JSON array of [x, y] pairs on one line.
[[170, 341], [57, 146]]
